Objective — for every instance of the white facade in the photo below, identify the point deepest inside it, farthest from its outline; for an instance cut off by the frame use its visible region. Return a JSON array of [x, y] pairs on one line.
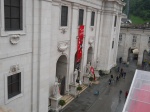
[[35, 50], [141, 42]]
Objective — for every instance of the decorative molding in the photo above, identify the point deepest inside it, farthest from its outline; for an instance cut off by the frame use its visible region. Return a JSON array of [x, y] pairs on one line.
[[14, 68], [63, 30], [91, 41], [14, 39], [62, 46], [92, 28]]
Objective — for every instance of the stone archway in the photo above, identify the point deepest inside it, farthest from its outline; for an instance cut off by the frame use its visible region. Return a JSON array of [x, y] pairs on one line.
[[133, 55], [61, 73], [89, 55], [145, 55]]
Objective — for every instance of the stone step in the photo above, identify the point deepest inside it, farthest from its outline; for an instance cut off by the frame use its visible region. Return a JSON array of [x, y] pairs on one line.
[[68, 99]]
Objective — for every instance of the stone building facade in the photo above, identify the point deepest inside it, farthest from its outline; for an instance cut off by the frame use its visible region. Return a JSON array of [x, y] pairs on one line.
[[36, 46], [133, 38]]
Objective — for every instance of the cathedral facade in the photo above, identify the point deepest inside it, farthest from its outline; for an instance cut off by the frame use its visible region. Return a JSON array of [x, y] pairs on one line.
[[38, 45]]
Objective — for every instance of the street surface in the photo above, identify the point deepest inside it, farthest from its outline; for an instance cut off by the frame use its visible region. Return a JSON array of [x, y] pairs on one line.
[[108, 99]]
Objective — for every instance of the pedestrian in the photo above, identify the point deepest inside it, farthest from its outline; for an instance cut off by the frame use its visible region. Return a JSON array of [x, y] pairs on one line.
[[124, 75], [109, 81], [121, 70], [120, 60], [120, 92], [118, 69], [126, 95]]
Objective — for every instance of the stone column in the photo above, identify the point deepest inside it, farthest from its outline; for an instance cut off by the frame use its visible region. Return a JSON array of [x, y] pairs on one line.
[[85, 43], [97, 23], [106, 40], [117, 38], [73, 40], [127, 45], [43, 55]]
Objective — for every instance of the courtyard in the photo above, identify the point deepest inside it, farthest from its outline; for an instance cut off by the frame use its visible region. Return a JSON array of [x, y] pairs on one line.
[[108, 99]]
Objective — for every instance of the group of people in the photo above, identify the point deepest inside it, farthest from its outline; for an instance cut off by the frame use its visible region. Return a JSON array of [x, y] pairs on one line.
[[122, 74]]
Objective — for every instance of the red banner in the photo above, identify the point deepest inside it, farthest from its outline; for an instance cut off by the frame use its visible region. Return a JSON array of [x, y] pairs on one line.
[[80, 42], [92, 71]]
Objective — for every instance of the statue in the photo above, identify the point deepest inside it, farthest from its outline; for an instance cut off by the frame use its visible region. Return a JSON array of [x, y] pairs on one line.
[[88, 66], [75, 75], [56, 91]]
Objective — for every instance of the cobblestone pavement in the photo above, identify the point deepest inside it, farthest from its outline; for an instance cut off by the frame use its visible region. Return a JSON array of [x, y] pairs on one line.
[[108, 99]]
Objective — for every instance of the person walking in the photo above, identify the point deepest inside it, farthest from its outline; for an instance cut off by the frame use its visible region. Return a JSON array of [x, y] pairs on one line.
[[120, 93], [126, 95], [124, 75], [109, 81]]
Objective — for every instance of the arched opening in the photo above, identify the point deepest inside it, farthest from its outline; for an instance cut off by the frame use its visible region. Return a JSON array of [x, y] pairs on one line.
[[146, 58], [133, 55], [61, 72], [145, 55], [90, 55]]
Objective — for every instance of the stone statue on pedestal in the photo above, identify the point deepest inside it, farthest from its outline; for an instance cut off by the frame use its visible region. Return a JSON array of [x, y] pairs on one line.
[[88, 66], [56, 91], [75, 75]]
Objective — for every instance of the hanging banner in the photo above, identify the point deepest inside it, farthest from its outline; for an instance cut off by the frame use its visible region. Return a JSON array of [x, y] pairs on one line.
[[80, 42], [92, 71]]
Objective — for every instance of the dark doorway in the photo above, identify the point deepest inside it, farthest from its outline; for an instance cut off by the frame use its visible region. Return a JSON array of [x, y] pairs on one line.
[[61, 72]]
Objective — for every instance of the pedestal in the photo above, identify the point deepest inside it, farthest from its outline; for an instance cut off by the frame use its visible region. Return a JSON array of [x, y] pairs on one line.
[[86, 79], [55, 103], [73, 90], [97, 73]]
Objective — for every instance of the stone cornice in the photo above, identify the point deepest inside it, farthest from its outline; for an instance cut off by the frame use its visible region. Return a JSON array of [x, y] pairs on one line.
[[118, 1], [46, 0]]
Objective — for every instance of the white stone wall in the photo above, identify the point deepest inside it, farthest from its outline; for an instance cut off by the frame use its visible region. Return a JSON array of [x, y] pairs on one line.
[[21, 54], [126, 43], [37, 52]]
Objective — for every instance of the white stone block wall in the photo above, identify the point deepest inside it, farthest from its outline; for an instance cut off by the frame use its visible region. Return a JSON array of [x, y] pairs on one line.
[[37, 50], [126, 43]]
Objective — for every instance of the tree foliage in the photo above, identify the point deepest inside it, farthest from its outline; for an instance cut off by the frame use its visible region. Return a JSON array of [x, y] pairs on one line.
[[139, 8]]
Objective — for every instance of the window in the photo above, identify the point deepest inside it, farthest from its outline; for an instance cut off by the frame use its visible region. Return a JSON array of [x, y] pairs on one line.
[[81, 14], [134, 39], [14, 85], [112, 44], [13, 14], [149, 39], [115, 22], [64, 15], [92, 18], [120, 37]]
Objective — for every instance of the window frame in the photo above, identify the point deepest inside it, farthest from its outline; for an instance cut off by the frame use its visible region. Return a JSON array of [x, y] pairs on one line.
[[79, 15], [3, 32], [113, 42], [92, 25], [69, 11], [134, 40], [115, 21], [10, 17], [61, 15], [7, 100]]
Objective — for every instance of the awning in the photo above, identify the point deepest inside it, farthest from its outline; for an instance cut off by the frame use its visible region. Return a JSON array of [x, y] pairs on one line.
[[135, 51]]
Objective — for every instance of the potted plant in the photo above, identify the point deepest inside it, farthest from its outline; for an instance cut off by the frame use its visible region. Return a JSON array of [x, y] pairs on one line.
[[91, 79], [79, 88], [62, 103]]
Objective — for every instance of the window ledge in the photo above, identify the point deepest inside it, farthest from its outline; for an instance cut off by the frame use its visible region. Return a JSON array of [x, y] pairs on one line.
[[13, 98], [7, 33]]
